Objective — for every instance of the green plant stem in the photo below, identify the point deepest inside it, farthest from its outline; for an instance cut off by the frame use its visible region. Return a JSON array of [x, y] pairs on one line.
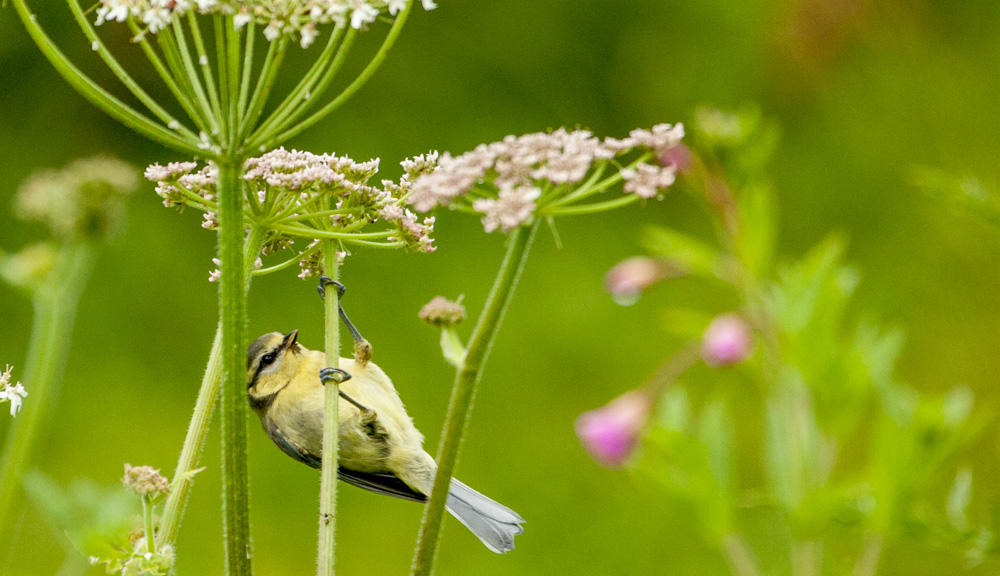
[[868, 561], [464, 391], [738, 556], [233, 307], [204, 409], [326, 556], [147, 516], [55, 304]]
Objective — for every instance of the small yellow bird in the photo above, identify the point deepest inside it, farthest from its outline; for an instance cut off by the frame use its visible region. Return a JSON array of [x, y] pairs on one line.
[[379, 447]]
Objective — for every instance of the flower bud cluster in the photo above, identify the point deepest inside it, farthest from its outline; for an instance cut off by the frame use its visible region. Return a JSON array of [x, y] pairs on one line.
[[145, 481], [510, 181], [84, 200], [442, 312], [13, 393], [296, 18]]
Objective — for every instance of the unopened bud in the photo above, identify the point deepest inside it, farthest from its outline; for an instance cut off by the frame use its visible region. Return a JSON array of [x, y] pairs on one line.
[[727, 341], [145, 481], [610, 433], [442, 312], [630, 277]]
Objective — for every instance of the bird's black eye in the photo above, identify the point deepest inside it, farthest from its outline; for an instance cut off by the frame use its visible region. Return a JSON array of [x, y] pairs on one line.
[[268, 359]]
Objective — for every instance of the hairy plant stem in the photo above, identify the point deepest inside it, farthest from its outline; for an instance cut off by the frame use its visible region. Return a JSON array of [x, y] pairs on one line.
[[233, 307], [204, 409], [55, 303], [464, 392], [147, 517], [326, 556]]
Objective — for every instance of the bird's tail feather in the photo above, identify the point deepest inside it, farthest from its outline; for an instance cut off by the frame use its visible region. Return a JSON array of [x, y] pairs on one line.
[[493, 523]]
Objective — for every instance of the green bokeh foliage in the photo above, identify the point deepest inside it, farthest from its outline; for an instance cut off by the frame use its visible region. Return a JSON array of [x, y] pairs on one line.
[[862, 92]]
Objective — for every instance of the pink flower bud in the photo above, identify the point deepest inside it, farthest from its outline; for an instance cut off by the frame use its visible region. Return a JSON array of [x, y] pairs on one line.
[[679, 157], [727, 341], [610, 433], [627, 280]]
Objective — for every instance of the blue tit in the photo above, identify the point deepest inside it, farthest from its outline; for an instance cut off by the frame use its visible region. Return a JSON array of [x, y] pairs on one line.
[[380, 449]]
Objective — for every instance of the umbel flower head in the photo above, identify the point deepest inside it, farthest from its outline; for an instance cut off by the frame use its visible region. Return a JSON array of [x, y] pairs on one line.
[[84, 200], [280, 17], [304, 196], [512, 181]]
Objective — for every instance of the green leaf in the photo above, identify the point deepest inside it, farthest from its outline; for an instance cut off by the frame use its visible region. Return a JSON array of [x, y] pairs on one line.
[[963, 194], [452, 348], [96, 519], [958, 499], [693, 255]]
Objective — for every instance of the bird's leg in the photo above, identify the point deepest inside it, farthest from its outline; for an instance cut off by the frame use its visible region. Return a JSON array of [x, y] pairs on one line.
[[340, 376], [362, 349], [325, 281]]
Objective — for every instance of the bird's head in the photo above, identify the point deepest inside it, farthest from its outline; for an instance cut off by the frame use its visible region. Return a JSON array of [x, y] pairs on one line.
[[272, 361]]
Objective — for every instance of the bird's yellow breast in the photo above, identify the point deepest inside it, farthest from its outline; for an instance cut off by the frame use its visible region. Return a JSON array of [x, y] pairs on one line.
[[298, 412]]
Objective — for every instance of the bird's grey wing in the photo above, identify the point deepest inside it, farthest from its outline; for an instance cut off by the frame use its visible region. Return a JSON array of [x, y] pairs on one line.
[[289, 447], [386, 484]]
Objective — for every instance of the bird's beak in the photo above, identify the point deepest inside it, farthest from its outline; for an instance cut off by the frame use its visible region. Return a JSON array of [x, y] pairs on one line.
[[290, 339]]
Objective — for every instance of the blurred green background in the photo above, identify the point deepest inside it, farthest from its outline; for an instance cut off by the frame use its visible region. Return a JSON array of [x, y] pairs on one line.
[[862, 91]]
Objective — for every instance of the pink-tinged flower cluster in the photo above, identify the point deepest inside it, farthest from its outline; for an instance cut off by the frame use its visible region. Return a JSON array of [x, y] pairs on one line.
[[513, 205], [509, 181], [297, 18], [646, 180], [611, 433], [727, 341], [295, 194]]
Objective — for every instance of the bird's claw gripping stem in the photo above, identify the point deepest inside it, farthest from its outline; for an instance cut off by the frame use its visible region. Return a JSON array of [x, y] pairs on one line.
[[340, 376], [325, 281], [333, 374]]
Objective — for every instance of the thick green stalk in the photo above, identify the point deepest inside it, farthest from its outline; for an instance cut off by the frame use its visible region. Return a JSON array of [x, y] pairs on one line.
[[331, 419], [464, 392], [55, 305], [233, 306], [204, 408]]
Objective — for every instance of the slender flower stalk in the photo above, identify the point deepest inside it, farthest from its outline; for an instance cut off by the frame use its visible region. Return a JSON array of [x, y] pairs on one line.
[[55, 305], [80, 205], [194, 441], [331, 419], [464, 392]]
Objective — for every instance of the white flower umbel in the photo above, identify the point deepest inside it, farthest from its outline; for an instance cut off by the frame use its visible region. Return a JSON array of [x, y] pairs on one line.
[[300, 195], [292, 17], [13, 393], [512, 181]]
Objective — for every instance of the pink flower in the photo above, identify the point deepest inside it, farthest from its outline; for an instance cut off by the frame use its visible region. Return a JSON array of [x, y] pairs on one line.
[[727, 341], [610, 433], [630, 277]]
